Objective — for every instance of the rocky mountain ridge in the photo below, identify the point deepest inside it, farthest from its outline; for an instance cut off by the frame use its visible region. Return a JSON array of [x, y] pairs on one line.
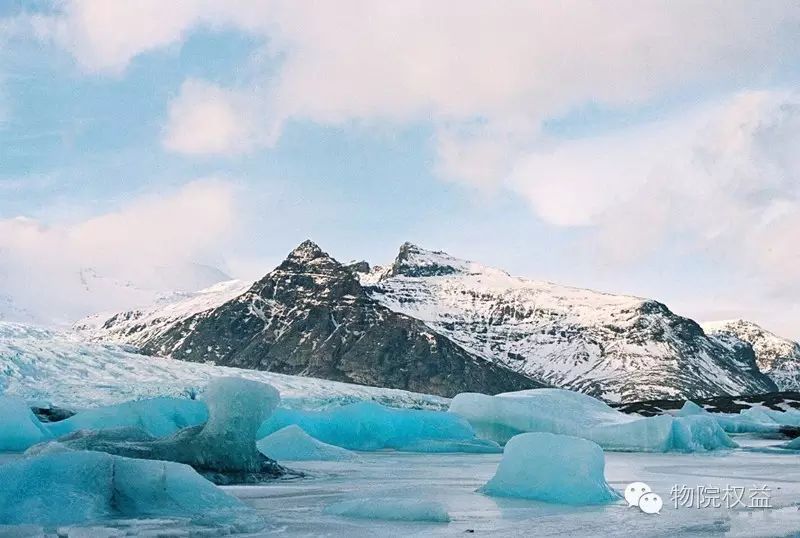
[[431, 322]]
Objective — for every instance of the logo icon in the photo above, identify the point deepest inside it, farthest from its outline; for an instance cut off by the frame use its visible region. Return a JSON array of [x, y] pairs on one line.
[[641, 495], [634, 491]]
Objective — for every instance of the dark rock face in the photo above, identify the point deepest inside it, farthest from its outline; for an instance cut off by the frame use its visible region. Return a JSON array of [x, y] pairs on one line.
[[777, 401], [408, 263], [311, 316]]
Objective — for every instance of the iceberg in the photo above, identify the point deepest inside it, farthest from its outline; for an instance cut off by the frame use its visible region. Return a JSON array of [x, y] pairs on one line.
[[790, 417], [730, 422], [552, 468], [794, 444], [19, 427], [293, 444], [223, 449], [500, 418], [389, 509], [71, 487], [370, 426], [158, 417]]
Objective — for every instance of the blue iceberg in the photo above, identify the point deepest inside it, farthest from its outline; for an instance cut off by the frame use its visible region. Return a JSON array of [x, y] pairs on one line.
[[223, 448], [743, 422], [293, 444], [552, 468], [370, 426], [501, 417], [71, 487], [19, 427], [156, 416]]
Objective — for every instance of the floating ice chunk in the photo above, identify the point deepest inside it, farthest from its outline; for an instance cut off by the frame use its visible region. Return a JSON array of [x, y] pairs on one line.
[[794, 444], [80, 486], [293, 444], [690, 408], [731, 423], [698, 433], [238, 405], [156, 416], [757, 415], [790, 417], [550, 410], [19, 427], [223, 449], [501, 417], [389, 509], [552, 468], [371, 426]]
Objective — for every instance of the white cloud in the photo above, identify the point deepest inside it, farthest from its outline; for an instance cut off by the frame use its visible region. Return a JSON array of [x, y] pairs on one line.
[[106, 36], [205, 119], [507, 65], [116, 259], [723, 178]]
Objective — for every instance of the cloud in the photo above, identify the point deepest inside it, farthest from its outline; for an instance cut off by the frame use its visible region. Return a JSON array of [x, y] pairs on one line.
[[208, 120], [722, 178], [106, 36], [116, 259], [491, 73]]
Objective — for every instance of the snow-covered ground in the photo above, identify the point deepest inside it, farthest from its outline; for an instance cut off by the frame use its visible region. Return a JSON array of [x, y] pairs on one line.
[[43, 366]]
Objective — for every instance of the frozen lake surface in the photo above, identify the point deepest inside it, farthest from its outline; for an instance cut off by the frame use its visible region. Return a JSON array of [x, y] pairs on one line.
[[296, 507]]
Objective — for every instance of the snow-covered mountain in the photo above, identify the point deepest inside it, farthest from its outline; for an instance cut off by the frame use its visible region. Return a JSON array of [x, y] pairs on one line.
[[73, 294], [776, 356], [616, 347], [311, 316], [139, 325], [432, 322]]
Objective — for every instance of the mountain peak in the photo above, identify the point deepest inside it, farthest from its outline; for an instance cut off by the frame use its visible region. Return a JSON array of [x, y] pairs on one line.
[[307, 250], [415, 261]]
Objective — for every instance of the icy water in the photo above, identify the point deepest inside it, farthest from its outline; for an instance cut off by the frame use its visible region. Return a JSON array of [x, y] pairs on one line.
[[296, 507]]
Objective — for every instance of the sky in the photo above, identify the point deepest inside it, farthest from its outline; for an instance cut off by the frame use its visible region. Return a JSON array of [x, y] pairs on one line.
[[646, 148]]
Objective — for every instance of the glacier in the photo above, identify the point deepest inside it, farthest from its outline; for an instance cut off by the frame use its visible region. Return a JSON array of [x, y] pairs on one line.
[[65, 370], [560, 411], [389, 509], [552, 468], [293, 444], [71, 487], [19, 427], [370, 426]]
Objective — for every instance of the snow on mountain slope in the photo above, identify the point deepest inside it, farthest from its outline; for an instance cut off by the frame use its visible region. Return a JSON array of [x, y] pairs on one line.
[[311, 316], [73, 294], [139, 325], [62, 369], [616, 347], [776, 356]]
